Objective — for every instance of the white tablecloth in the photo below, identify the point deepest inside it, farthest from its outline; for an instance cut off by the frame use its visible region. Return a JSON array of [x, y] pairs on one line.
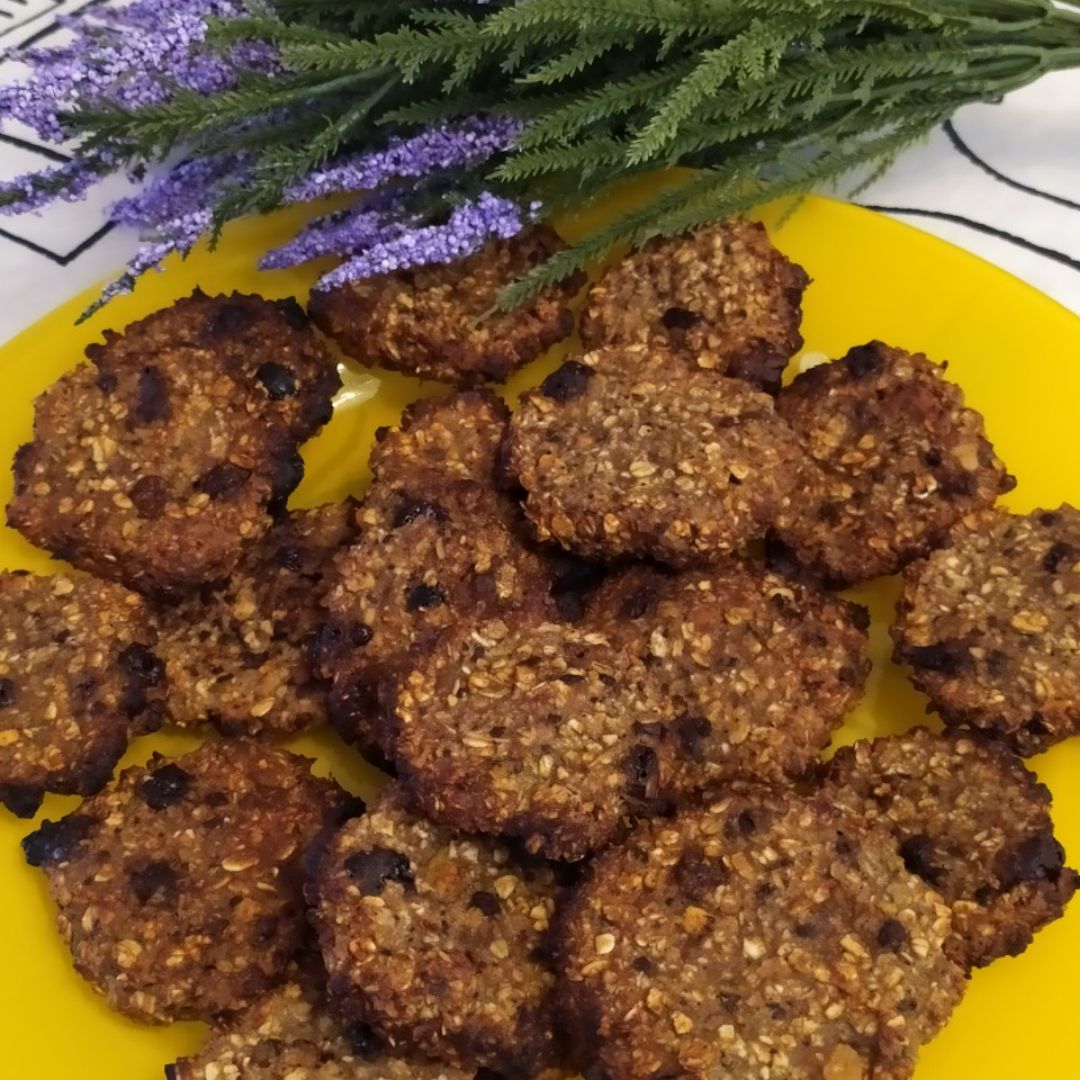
[[1002, 181]]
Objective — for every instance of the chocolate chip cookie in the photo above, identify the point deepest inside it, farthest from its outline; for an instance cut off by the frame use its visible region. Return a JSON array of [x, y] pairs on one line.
[[990, 626], [178, 888], [79, 676], [893, 458]]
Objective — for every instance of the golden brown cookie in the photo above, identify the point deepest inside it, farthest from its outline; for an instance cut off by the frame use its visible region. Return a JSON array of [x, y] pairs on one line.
[[437, 321], [178, 888], [290, 1034], [971, 821], [990, 626], [721, 292], [760, 669], [633, 451], [437, 940], [79, 676], [528, 728], [154, 464], [238, 656], [893, 459], [761, 935]]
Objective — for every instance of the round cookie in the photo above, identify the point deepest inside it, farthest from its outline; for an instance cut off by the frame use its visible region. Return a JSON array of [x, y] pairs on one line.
[[990, 626], [178, 888], [893, 460], [971, 821], [437, 321], [722, 291], [157, 462], [78, 678], [289, 1034], [760, 935], [631, 451], [239, 656], [457, 436], [528, 728], [760, 669], [425, 559], [437, 940]]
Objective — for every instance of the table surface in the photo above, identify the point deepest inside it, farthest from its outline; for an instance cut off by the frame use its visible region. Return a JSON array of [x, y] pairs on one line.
[[1000, 181]]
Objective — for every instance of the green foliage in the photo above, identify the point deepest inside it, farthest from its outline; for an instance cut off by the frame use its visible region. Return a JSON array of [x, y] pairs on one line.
[[768, 98]]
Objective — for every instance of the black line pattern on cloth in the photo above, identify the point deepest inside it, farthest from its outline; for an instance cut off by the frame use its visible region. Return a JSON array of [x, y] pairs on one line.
[[962, 147], [979, 226]]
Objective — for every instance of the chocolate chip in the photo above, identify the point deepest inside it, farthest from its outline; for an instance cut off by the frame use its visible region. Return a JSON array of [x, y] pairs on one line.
[[932, 458], [698, 875], [1038, 858], [223, 481], [485, 902], [165, 786], [863, 361], [106, 382], [567, 382], [411, 510], [1059, 553], [56, 841], [1048, 518], [289, 558], [230, 318], [278, 380], [918, 855], [860, 616], [891, 935], [363, 1042], [140, 663], [692, 731], [643, 964], [7, 693], [21, 800], [150, 495], [679, 318], [294, 315], [945, 657], [637, 603], [372, 869], [334, 640], [643, 773], [152, 879], [151, 397], [422, 596], [806, 929], [288, 472]]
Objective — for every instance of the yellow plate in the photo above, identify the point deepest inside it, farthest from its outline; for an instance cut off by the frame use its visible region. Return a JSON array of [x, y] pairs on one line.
[[1012, 350]]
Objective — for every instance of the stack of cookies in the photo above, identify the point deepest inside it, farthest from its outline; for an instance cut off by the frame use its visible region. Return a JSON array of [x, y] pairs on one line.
[[596, 641]]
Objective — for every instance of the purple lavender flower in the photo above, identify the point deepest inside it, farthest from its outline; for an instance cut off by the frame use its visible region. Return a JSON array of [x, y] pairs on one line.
[[187, 187], [447, 146], [469, 227], [31, 191], [355, 229]]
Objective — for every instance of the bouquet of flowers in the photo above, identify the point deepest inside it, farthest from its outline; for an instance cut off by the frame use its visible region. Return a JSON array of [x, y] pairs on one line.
[[454, 121]]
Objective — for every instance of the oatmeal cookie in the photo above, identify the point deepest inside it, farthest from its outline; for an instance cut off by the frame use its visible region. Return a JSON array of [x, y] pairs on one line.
[[425, 559], [630, 451], [971, 821], [990, 626], [761, 935], [437, 321], [157, 462], [760, 669], [290, 1034], [457, 436], [893, 460], [722, 292], [238, 656], [78, 678], [178, 888], [437, 940], [545, 731]]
